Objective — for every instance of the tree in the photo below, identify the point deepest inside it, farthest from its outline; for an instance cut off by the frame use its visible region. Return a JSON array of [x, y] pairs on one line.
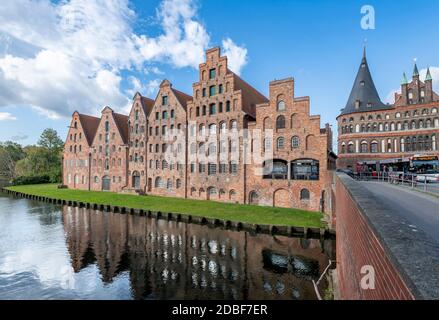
[[10, 153], [7, 165], [14, 150], [50, 140]]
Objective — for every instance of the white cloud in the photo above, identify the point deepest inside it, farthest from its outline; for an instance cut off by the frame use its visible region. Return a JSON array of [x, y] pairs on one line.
[[5, 116], [70, 55], [237, 56], [19, 137]]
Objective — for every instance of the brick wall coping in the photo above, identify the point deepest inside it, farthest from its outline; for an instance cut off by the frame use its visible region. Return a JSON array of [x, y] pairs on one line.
[[415, 255]]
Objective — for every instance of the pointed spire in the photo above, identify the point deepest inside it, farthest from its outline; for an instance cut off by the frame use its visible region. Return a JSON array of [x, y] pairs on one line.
[[428, 76], [415, 70], [364, 95], [404, 79]]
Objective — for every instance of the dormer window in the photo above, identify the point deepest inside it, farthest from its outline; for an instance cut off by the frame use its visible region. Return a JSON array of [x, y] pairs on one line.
[[422, 94], [369, 105], [357, 104], [362, 83]]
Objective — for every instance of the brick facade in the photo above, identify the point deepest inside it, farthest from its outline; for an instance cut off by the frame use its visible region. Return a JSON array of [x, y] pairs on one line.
[[138, 138], [297, 143], [166, 157], [76, 155], [109, 167], [408, 127], [204, 147]]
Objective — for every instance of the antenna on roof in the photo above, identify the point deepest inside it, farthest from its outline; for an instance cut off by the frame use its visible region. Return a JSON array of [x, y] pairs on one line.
[[364, 47]]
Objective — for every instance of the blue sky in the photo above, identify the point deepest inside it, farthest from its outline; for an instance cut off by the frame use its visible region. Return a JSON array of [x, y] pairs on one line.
[[56, 57]]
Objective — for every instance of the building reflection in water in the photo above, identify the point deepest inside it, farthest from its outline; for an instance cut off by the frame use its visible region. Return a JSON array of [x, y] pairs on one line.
[[175, 260]]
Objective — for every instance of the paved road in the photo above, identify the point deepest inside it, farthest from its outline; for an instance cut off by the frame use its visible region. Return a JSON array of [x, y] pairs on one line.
[[421, 210]]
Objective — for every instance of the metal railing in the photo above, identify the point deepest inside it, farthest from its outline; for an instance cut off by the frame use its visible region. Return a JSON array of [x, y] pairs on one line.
[[422, 182]]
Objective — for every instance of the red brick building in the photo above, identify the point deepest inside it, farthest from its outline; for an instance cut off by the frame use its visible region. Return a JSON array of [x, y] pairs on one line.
[[109, 153], [166, 159], [379, 134], [226, 143], [138, 137], [77, 151], [223, 106], [298, 153]]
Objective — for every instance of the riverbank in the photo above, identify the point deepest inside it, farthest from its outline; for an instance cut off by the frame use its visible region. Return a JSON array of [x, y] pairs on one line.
[[209, 209]]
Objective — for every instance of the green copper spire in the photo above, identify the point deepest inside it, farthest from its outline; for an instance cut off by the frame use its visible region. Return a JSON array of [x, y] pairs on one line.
[[428, 76], [404, 79], [415, 70]]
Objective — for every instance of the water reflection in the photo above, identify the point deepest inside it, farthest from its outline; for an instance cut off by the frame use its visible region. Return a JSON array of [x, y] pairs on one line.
[[80, 253]]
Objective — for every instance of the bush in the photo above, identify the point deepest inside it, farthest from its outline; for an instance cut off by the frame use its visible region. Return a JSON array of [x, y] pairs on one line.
[[23, 180]]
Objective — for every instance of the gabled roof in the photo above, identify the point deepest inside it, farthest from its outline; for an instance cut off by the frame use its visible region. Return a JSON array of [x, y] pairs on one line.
[[90, 125], [250, 96], [364, 91], [122, 124], [147, 105], [182, 97]]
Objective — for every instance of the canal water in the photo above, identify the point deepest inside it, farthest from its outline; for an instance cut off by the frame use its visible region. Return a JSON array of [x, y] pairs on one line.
[[59, 252]]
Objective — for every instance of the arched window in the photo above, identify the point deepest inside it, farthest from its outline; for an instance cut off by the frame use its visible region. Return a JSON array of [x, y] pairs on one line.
[[351, 147], [280, 122], [169, 184], [295, 142], [364, 147], [304, 194], [281, 105], [212, 129], [158, 182], [233, 125], [202, 130], [280, 143], [211, 149], [267, 144], [374, 147], [223, 127], [193, 148]]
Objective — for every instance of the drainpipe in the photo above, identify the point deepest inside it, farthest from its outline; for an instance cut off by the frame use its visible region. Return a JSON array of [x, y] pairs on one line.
[[89, 171]]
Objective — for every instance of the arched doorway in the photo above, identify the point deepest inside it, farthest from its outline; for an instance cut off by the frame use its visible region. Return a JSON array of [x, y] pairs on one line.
[[106, 183], [282, 199], [136, 180], [253, 198], [211, 193]]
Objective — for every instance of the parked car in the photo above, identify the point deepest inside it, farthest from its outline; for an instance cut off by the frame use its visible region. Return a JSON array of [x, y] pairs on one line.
[[429, 176]]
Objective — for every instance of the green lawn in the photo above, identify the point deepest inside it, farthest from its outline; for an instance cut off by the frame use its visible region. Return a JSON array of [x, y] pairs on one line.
[[209, 209]]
